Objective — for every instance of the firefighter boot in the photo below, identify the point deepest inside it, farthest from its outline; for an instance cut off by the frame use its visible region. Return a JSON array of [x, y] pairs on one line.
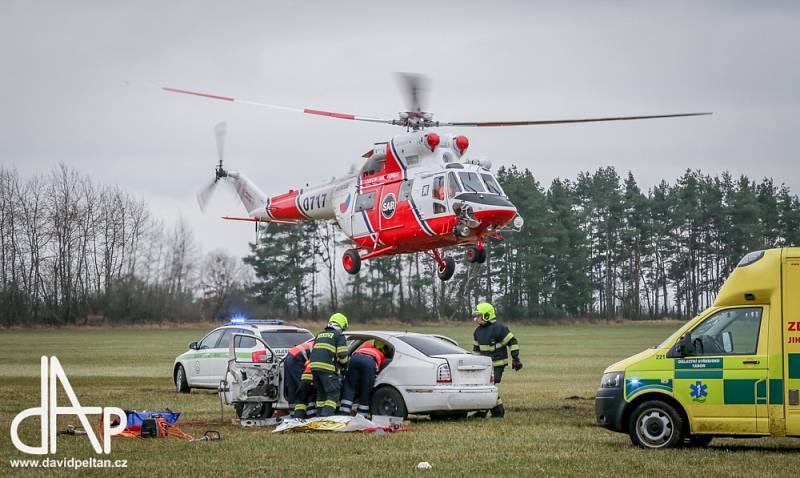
[[498, 411]]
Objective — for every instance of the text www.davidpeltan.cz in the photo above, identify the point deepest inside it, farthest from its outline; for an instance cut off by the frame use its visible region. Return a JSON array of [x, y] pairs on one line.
[[70, 463]]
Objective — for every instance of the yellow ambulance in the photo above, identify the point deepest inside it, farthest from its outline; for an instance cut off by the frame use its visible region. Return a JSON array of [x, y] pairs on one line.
[[732, 371]]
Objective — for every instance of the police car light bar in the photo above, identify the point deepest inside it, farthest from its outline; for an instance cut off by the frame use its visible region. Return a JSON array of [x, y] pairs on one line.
[[244, 320]]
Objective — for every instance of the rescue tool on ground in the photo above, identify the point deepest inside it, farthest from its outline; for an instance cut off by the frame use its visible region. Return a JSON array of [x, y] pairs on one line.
[[420, 191]]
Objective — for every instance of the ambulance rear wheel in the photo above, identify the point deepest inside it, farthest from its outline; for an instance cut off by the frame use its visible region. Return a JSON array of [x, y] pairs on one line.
[[446, 270], [351, 261], [655, 424]]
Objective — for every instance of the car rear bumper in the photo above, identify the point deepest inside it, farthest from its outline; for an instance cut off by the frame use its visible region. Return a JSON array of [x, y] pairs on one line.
[[444, 398]]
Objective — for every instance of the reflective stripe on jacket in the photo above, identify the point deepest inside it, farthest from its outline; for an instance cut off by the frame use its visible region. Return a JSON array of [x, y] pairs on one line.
[[496, 341], [330, 350]]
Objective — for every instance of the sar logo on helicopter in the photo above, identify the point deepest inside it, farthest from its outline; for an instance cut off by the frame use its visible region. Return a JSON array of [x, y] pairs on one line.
[[388, 206]]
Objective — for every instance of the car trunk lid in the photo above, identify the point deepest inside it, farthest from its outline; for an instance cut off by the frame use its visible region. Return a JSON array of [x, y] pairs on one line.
[[469, 369]]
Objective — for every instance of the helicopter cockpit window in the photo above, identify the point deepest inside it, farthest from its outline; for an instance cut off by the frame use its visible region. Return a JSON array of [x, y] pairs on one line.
[[472, 183], [438, 188], [453, 187], [372, 166], [491, 184]]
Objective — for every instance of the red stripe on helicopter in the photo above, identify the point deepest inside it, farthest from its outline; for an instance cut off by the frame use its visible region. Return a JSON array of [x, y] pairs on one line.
[[205, 95], [328, 113]]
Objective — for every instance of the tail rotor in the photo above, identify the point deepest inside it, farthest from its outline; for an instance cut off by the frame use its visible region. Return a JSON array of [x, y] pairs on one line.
[[204, 195]]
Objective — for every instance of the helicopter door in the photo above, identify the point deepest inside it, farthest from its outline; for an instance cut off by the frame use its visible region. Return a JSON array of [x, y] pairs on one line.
[[362, 211], [431, 196]]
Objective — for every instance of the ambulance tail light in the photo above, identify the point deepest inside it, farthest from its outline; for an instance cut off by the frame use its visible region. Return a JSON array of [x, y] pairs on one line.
[[491, 377], [443, 375], [259, 356]]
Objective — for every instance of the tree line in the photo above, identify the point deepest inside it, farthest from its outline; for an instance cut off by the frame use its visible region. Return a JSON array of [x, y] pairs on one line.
[[73, 251]]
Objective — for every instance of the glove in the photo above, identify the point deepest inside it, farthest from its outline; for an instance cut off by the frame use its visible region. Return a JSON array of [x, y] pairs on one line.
[[516, 364]]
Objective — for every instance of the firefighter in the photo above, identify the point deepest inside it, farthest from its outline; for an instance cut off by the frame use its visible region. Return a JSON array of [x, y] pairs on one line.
[[306, 395], [365, 363], [293, 366], [328, 362], [493, 339]]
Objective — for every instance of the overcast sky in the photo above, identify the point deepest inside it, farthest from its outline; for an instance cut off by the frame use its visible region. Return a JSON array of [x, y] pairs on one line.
[[63, 97]]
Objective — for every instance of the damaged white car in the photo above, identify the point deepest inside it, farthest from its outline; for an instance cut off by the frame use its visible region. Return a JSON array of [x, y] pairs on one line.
[[422, 375]]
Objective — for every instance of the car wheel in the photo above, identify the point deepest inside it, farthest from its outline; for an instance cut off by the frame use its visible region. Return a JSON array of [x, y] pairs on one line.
[[699, 441], [388, 401], [254, 411], [181, 382], [655, 424]]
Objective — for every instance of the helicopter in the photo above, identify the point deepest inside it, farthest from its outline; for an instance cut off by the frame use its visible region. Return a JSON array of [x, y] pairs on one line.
[[420, 191]]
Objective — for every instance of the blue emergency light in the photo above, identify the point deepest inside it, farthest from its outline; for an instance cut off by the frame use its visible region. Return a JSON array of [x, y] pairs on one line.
[[239, 319]]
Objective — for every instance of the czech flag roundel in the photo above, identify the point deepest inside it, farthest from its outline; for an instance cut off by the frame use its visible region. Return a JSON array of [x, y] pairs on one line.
[[346, 204]]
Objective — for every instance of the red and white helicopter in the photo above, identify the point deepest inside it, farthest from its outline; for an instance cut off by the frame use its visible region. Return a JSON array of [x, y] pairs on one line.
[[420, 191]]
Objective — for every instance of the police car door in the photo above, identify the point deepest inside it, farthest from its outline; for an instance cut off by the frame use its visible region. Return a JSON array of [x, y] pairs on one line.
[[723, 383], [204, 355]]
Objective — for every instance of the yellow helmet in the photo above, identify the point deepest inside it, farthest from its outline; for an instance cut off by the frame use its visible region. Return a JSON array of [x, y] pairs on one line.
[[485, 310], [339, 319]]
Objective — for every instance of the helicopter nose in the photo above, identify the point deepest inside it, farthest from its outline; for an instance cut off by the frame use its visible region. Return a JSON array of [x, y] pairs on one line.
[[496, 217]]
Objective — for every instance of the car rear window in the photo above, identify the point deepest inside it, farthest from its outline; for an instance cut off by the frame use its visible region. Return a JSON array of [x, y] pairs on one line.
[[282, 339], [431, 345]]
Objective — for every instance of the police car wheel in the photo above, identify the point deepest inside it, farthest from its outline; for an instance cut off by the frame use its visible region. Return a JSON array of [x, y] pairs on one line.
[[655, 424], [388, 401], [181, 383]]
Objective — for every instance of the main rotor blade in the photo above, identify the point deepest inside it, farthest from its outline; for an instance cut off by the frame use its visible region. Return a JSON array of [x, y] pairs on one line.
[[584, 120], [219, 132], [415, 87], [309, 111]]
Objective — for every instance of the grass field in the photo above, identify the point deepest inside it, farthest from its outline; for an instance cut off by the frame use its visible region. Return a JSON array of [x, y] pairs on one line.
[[548, 429]]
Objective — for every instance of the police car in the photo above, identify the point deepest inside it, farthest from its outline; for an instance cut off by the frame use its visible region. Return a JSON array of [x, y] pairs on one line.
[[205, 363]]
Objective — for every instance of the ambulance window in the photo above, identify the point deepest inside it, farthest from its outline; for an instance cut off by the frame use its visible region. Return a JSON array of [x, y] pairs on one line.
[[491, 184], [211, 340], [453, 187], [438, 187], [365, 202], [728, 332], [471, 182]]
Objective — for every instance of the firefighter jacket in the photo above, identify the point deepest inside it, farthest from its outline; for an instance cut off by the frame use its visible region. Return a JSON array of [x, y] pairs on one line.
[[330, 351], [495, 340]]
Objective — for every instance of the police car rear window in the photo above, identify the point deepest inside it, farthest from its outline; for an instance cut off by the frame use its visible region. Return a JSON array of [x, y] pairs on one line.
[[281, 339], [431, 345]]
